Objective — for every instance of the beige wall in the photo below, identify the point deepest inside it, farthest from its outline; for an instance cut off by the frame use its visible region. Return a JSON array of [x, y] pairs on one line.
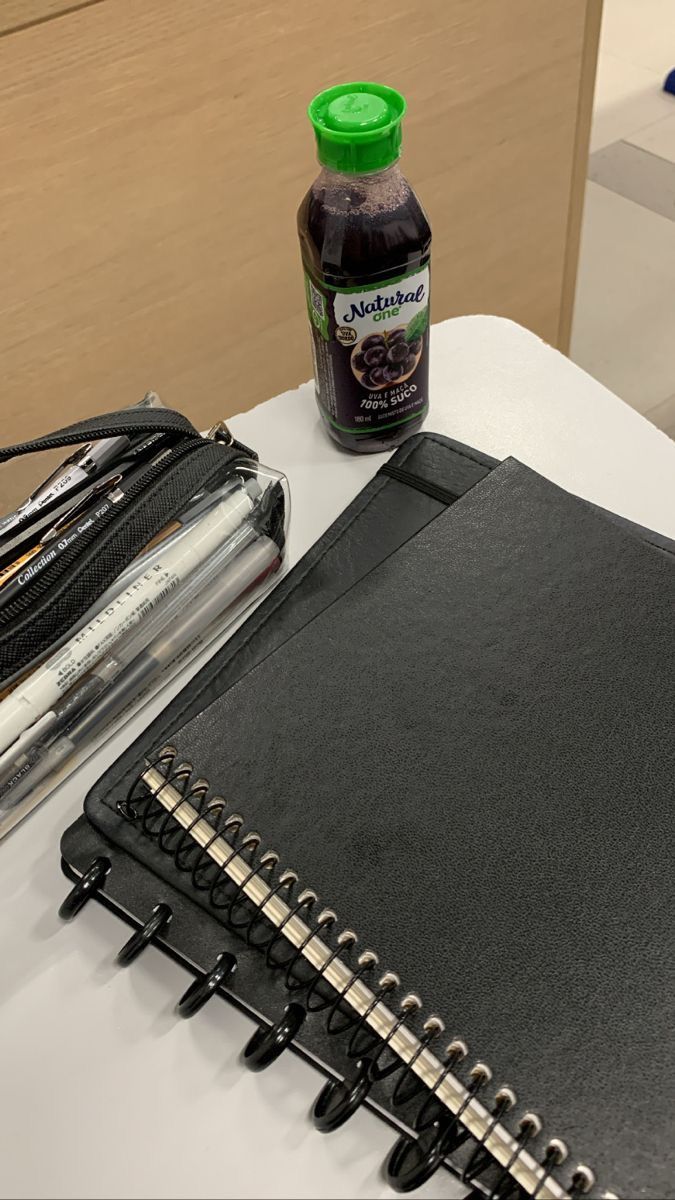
[[153, 153]]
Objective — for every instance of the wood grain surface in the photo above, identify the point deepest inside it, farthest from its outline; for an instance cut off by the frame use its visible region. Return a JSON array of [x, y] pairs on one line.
[[589, 62], [154, 153]]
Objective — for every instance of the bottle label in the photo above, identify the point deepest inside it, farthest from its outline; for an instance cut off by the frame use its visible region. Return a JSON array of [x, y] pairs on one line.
[[371, 351]]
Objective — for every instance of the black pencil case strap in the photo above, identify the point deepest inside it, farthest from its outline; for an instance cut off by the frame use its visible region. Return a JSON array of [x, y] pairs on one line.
[[54, 602], [117, 424], [113, 424]]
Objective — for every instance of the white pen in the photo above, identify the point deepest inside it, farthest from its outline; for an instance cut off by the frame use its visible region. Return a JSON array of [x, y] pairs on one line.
[[33, 698], [142, 664], [131, 643], [148, 558]]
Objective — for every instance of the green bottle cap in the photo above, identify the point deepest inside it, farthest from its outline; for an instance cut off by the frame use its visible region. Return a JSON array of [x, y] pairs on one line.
[[357, 126]]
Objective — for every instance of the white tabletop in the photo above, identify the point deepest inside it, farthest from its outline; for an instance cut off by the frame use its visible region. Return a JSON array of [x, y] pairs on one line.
[[103, 1091]]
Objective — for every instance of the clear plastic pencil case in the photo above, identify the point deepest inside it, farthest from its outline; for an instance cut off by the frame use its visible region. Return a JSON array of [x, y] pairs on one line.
[[202, 562]]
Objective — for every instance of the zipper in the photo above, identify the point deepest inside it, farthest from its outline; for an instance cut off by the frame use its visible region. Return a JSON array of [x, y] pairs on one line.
[[43, 583], [97, 429]]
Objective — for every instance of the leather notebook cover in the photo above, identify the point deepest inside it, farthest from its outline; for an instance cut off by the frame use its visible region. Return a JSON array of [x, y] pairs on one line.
[[428, 474], [388, 511], [431, 472], [470, 756]]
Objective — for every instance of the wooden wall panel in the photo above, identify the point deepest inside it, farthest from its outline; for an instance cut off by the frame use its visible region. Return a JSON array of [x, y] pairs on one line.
[[153, 154], [589, 62]]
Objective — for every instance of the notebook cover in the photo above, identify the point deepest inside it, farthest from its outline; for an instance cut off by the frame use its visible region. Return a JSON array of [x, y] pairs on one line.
[[470, 757], [380, 519], [383, 515]]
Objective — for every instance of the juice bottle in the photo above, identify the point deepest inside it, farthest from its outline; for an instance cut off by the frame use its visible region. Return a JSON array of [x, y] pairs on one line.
[[365, 244]]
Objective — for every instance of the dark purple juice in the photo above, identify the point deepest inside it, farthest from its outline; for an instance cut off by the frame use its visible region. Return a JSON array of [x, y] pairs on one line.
[[365, 244], [354, 231]]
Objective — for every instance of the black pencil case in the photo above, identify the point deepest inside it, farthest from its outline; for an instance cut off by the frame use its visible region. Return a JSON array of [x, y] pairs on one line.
[[57, 597]]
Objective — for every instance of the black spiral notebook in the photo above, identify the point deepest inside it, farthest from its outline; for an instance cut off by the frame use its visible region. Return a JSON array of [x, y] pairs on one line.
[[469, 757]]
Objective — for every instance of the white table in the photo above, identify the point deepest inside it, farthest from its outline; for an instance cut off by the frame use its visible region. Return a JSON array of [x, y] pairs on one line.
[[103, 1092]]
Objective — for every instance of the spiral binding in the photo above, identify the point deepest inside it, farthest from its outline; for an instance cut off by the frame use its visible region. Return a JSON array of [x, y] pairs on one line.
[[264, 905]]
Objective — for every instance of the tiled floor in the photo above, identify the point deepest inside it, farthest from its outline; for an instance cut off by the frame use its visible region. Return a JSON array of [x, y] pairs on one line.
[[624, 325]]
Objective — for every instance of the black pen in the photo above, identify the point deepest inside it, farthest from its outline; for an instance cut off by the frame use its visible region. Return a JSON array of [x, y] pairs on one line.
[[70, 527], [22, 541], [27, 559], [79, 470], [123, 674]]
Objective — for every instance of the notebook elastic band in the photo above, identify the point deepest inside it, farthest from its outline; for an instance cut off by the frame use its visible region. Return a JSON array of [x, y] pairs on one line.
[[442, 494]]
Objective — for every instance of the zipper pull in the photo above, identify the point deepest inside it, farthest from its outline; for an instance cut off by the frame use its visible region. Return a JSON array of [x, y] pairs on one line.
[[220, 432]]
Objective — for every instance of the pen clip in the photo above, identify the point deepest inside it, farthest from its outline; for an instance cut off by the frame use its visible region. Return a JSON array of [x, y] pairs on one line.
[[78, 454], [46, 483], [66, 518]]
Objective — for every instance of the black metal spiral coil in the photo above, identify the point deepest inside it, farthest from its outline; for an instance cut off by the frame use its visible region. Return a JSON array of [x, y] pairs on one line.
[[438, 1132]]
